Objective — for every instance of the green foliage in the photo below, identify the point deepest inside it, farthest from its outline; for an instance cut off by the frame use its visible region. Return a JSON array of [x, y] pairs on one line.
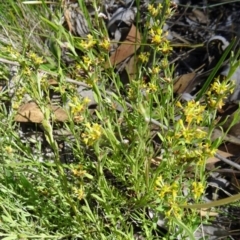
[[113, 179]]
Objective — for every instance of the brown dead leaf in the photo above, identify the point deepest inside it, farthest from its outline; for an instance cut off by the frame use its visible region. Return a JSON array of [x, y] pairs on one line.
[[210, 163], [52, 82], [156, 161], [200, 16], [182, 82], [127, 48], [30, 112], [205, 213], [214, 159]]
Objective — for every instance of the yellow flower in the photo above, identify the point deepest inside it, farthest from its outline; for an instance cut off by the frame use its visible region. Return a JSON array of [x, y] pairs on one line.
[[194, 111], [156, 70], [92, 133], [130, 93], [153, 11], [156, 39], [143, 57], [77, 106], [164, 63], [165, 189], [9, 150], [16, 105], [13, 53], [156, 34], [78, 171], [27, 71], [159, 181], [175, 210], [86, 100], [35, 58], [105, 44], [197, 189], [79, 192], [188, 135], [216, 103], [200, 133], [151, 88], [178, 104], [165, 48], [218, 92], [87, 61], [207, 150], [89, 43], [222, 88]]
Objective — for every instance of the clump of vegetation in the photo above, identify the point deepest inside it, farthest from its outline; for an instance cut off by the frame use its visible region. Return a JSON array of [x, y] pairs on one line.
[[141, 150]]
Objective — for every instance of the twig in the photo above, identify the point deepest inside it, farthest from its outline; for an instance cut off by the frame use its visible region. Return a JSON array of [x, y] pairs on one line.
[[237, 166], [3, 60]]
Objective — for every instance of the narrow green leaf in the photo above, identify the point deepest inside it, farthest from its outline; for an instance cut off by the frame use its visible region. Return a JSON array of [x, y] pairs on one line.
[[187, 230], [214, 71]]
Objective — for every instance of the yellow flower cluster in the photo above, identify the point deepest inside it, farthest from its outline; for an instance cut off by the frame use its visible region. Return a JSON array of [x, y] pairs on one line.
[[136, 87], [154, 11], [143, 57], [13, 53], [166, 190], [189, 143], [151, 88], [155, 70], [92, 133], [77, 107], [174, 210], [105, 44], [193, 111], [189, 133], [88, 43], [169, 192], [164, 63], [78, 171], [165, 48], [158, 38], [26, 71], [218, 92], [87, 61], [156, 35], [79, 192], [8, 150], [197, 189], [36, 60], [17, 100]]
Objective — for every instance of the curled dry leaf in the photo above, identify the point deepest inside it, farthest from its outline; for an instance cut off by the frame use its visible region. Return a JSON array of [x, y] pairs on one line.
[[182, 82], [30, 112], [210, 163], [206, 213], [127, 48], [199, 16]]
